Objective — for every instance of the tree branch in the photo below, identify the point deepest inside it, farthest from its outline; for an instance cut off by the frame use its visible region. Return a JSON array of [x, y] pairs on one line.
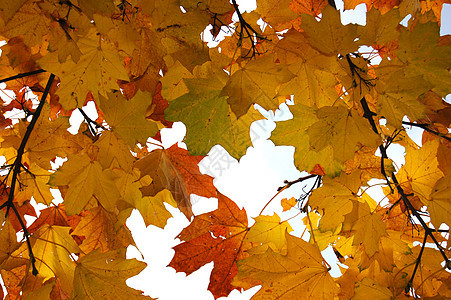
[[368, 114], [21, 75], [251, 33], [426, 127], [16, 167]]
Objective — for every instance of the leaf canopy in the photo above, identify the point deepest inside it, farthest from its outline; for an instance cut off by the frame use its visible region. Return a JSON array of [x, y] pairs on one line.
[[354, 91]]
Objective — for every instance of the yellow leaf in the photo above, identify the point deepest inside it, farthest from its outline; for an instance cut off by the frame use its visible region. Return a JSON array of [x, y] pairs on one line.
[[9, 240], [342, 129], [380, 28], [368, 288], [153, 210], [276, 13], [127, 117], [256, 82], [315, 73], [98, 228], [29, 21], [439, 205], [270, 231], [398, 96], [85, 178], [97, 71], [294, 132], [52, 248], [421, 171], [102, 276], [34, 184], [50, 139], [41, 293], [329, 36], [300, 274], [368, 229], [114, 150], [335, 199]]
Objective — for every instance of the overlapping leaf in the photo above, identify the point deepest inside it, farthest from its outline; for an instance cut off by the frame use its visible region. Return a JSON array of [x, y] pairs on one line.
[[300, 274], [103, 275], [177, 171]]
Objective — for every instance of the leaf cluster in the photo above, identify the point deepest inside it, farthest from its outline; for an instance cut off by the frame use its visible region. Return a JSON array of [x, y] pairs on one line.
[[353, 92]]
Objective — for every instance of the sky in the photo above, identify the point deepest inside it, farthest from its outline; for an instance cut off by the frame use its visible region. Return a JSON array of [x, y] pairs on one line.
[[250, 183]]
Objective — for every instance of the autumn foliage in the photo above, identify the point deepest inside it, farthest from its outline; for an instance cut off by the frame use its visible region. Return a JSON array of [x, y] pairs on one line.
[[353, 90]]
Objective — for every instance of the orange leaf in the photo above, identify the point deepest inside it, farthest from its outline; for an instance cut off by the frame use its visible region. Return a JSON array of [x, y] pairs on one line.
[[287, 204], [216, 236]]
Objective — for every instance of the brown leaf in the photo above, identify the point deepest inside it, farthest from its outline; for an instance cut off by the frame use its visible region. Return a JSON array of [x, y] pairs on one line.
[[174, 169]]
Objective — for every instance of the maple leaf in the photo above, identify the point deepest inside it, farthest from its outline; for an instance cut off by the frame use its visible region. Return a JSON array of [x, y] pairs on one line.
[[329, 36], [310, 7], [277, 13], [34, 183], [369, 287], [173, 169], [98, 228], [9, 241], [218, 237], [97, 71], [118, 112], [28, 21], [334, 199], [315, 73], [368, 228], [380, 28], [294, 132], [269, 230], [51, 139], [368, 163], [114, 151], [420, 53], [54, 215], [287, 204], [85, 178], [256, 82], [342, 129], [152, 208], [397, 97], [208, 117], [421, 170], [439, 205], [103, 275], [300, 274], [52, 248]]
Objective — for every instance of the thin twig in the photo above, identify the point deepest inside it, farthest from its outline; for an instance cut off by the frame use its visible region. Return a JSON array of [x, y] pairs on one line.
[[89, 121], [290, 183]]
